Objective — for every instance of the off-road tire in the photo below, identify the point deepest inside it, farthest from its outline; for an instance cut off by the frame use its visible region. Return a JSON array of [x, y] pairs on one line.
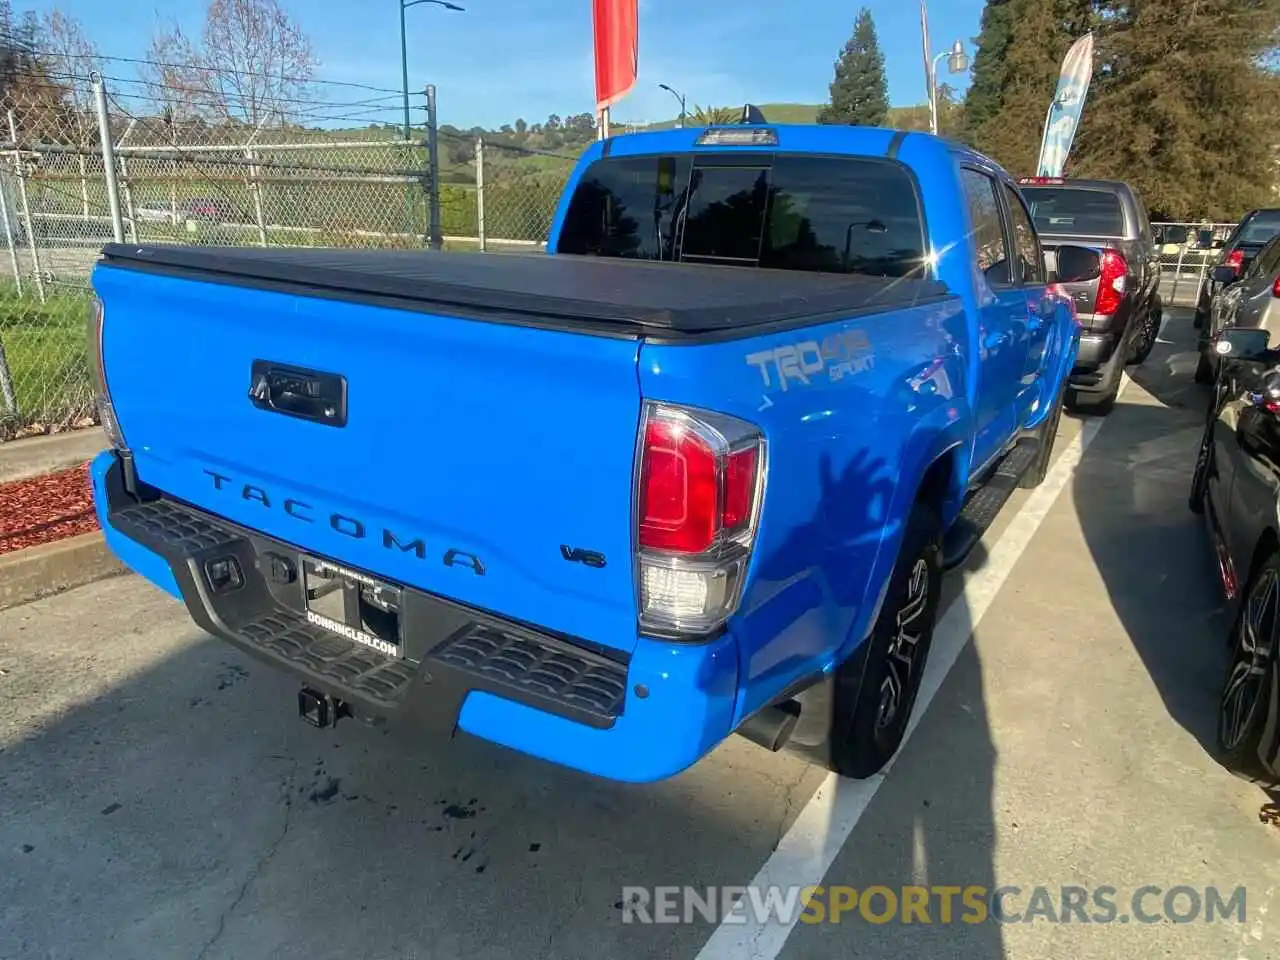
[[863, 738]]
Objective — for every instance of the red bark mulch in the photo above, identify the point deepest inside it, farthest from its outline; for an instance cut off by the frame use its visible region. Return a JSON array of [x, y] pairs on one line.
[[44, 509]]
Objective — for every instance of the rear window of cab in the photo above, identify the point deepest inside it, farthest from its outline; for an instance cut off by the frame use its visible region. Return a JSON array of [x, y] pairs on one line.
[[852, 215]]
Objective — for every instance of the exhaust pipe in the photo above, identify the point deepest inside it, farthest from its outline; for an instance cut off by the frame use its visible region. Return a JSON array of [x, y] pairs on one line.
[[319, 709], [772, 726]]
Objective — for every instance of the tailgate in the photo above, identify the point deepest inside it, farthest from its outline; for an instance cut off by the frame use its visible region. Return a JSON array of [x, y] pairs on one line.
[[471, 453], [1083, 294]]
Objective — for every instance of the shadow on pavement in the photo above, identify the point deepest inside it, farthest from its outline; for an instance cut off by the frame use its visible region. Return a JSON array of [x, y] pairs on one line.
[[176, 807], [1152, 553], [931, 825], [185, 811]]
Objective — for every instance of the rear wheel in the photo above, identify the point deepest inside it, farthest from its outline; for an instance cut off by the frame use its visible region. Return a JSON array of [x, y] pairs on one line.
[[876, 692], [1149, 333], [1246, 701]]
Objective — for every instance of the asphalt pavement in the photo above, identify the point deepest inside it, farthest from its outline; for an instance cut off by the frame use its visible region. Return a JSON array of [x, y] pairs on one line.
[[159, 797]]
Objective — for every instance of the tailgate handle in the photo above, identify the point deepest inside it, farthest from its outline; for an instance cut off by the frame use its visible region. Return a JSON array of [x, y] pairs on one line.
[[295, 392]]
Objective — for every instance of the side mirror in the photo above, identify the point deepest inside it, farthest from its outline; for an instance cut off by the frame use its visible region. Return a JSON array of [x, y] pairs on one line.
[[1074, 265], [1176, 235], [1224, 275], [1241, 345]]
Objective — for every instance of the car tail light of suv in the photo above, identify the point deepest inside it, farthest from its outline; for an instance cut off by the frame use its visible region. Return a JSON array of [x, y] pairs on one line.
[[699, 485], [1112, 283], [1234, 260]]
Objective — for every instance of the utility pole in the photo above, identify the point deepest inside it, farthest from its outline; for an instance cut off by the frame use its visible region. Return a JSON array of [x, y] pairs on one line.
[[433, 171], [404, 52]]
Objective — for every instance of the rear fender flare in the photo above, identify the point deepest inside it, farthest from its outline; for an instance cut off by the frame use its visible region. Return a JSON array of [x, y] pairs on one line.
[[1061, 350], [943, 433]]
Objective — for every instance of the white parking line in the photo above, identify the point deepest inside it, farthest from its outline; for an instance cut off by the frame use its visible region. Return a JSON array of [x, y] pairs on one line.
[[810, 846]]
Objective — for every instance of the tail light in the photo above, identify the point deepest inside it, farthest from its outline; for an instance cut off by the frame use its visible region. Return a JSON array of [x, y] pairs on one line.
[[1234, 260], [106, 410], [1275, 287], [698, 491], [1112, 283]]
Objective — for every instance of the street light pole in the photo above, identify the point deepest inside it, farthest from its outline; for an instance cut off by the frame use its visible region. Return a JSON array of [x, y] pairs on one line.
[[404, 51], [958, 63], [679, 98]]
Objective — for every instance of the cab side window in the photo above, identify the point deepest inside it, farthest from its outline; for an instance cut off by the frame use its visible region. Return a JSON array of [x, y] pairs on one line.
[[1030, 261], [989, 242]]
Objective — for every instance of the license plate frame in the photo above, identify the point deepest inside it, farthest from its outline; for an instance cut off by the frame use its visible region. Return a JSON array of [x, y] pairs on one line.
[[353, 605]]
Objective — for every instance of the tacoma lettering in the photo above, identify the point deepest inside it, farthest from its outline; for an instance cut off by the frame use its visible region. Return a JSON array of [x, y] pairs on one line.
[[342, 523]]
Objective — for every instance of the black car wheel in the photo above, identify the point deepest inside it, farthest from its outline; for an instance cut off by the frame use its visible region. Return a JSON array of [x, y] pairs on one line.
[[1148, 334], [1249, 687], [875, 694]]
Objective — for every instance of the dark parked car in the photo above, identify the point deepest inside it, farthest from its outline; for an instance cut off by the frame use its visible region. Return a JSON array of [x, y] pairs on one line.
[[1120, 309], [1250, 300], [1235, 487], [1246, 240]]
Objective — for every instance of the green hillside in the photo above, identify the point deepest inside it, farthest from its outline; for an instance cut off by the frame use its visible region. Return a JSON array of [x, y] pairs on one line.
[[526, 164]]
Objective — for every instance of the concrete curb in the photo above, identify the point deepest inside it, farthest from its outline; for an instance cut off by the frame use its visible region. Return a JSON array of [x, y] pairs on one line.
[[34, 456], [50, 568]]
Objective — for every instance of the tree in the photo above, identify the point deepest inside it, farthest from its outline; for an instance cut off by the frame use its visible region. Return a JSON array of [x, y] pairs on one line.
[[713, 116], [1016, 71], [1183, 105], [17, 49], [988, 73], [253, 63], [860, 91], [71, 57], [44, 68], [172, 77]]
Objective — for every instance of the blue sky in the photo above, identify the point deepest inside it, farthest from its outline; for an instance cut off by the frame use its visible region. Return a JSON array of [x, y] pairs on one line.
[[503, 59]]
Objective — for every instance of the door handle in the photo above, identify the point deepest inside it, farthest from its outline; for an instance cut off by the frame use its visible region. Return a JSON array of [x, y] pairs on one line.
[[296, 392]]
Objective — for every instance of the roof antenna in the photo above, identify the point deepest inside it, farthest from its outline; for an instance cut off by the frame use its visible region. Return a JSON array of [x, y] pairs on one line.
[[751, 114]]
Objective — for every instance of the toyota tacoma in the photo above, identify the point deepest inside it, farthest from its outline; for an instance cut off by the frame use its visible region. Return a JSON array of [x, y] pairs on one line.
[[696, 471]]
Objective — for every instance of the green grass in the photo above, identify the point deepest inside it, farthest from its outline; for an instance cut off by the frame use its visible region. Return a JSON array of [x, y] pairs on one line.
[[44, 348]]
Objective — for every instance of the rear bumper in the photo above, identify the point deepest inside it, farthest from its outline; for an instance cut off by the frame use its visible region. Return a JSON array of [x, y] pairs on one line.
[[1098, 363], [639, 718]]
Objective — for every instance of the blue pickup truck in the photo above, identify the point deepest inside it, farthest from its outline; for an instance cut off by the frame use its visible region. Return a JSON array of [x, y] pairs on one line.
[[697, 471]]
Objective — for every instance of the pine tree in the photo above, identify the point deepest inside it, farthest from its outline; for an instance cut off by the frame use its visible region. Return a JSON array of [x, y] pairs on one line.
[[1182, 106], [860, 90], [986, 86], [1016, 68]]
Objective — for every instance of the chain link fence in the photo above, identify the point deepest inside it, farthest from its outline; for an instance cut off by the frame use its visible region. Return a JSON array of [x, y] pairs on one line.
[[266, 184], [1188, 253], [228, 184]]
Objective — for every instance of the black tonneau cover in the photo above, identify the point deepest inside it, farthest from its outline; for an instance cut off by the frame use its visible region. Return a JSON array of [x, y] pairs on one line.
[[658, 298]]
